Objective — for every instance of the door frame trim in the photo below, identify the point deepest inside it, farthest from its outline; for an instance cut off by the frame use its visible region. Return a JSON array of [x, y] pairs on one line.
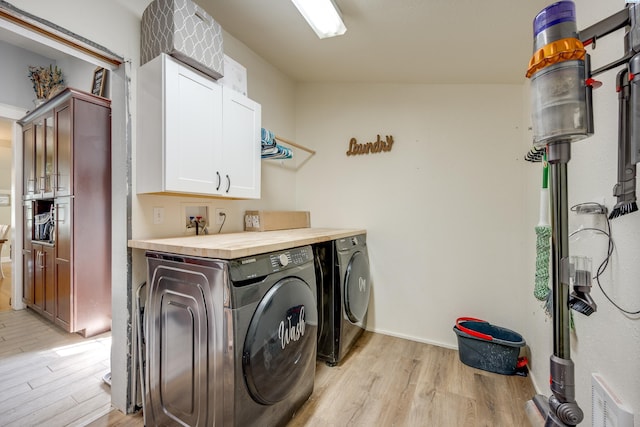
[[49, 34]]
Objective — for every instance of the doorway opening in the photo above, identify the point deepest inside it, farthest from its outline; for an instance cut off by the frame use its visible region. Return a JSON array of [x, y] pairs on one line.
[[79, 57]]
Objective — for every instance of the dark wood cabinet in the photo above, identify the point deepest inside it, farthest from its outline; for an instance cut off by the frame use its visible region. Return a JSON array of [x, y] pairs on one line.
[[67, 158]]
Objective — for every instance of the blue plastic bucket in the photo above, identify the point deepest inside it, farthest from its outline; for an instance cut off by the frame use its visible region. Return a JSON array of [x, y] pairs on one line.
[[488, 347]]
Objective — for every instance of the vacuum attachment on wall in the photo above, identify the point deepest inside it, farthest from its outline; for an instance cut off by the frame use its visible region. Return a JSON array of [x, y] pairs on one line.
[[580, 299], [628, 134]]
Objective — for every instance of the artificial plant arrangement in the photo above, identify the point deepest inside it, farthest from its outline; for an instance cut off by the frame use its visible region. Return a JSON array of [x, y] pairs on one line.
[[46, 81]]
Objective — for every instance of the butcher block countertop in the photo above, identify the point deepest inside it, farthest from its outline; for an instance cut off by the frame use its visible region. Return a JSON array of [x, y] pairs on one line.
[[239, 245]]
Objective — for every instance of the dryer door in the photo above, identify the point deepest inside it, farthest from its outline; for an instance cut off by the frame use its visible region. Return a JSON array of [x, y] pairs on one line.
[[357, 287], [281, 341]]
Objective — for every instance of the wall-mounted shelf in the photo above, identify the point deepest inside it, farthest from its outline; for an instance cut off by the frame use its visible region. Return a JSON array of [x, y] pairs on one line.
[[294, 145]]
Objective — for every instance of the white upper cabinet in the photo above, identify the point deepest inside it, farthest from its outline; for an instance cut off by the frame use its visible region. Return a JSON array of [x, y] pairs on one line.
[[187, 141], [241, 135]]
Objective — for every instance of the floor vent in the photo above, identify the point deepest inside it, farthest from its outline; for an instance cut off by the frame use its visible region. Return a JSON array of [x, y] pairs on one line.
[[606, 408]]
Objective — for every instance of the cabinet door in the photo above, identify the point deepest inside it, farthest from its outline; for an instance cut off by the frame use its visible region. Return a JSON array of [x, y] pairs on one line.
[[63, 262], [49, 153], [241, 145], [38, 279], [45, 280], [193, 130], [63, 147], [44, 154], [27, 255], [28, 162]]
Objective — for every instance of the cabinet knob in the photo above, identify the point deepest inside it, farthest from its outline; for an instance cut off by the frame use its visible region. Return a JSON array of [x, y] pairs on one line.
[[228, 184], [219, 180]]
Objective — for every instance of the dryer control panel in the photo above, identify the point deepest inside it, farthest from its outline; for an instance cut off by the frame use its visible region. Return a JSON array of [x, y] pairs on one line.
[[265, 264], [348, 243]]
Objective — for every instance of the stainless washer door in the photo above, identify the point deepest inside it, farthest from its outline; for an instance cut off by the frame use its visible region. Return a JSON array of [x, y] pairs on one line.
[[281, 341], [357, 287]]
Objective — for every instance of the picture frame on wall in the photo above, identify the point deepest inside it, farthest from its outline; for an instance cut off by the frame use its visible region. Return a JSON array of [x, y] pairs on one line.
[[99, 78]]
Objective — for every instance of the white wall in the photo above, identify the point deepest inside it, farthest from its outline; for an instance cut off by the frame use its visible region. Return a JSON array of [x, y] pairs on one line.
[[17, 89], [608, 341], [442, 209]]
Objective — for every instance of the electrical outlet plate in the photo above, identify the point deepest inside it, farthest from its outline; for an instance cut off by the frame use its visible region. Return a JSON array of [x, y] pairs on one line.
[[158, 215], [220, 216]]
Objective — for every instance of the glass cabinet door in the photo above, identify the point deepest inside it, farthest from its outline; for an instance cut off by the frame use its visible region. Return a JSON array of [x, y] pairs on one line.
[[44, 152], [62, 182], [39, 157], [28, 155], [48, 155]]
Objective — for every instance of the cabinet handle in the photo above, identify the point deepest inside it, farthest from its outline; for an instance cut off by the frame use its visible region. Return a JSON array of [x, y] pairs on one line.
[[228, 184], [219, 180], [58, 217]]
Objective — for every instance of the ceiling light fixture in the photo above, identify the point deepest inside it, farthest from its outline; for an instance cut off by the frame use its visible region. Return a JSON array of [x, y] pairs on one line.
[[323, 16]]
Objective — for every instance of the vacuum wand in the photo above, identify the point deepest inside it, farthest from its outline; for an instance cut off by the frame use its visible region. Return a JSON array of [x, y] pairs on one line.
[[562, 407]]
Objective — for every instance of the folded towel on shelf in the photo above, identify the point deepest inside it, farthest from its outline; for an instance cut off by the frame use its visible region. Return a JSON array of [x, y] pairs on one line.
[[277, 152], [272, 150], [268, 138]]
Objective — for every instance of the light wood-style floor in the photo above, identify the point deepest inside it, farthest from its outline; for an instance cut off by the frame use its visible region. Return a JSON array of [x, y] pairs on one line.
[[388, 381], [49, 377]]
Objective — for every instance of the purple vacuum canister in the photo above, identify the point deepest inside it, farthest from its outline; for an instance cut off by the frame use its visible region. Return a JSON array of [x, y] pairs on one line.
[[557, 71]]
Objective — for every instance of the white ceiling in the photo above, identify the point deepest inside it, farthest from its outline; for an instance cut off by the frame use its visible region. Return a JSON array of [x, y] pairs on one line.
[[398, 41]]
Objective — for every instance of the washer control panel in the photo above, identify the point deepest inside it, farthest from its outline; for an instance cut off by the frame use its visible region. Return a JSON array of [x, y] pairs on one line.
[[265, 264], [295, 256]]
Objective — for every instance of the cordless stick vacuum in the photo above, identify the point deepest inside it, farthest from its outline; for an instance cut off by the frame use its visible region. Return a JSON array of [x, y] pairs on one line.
[[561, 113], [561, 86]]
